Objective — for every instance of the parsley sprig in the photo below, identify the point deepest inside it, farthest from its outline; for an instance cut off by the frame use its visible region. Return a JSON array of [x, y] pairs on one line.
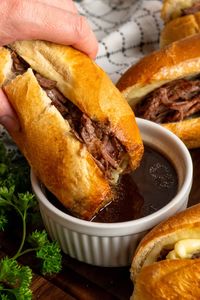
[[15, 195]]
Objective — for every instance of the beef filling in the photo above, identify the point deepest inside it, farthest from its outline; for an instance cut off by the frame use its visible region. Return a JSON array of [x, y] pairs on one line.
[[172, 102], [105, 148], [196, 255], [19, 65], [191, 10], [163, 254]]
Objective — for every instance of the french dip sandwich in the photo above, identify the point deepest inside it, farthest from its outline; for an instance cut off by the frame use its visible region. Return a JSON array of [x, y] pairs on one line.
[[181, 18], [166, 263], [77, 131], [170, 279], [164, 87]]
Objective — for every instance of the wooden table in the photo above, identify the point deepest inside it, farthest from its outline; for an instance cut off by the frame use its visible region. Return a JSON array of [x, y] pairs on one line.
[[81, 281]]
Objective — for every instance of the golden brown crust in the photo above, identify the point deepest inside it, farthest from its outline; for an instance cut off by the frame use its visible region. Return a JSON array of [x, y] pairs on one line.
[[61, 162], [169, 279], [88, 87], [172, 9], [5, 65], [188, 131], [178, 60], [183, 225], [180, 28]]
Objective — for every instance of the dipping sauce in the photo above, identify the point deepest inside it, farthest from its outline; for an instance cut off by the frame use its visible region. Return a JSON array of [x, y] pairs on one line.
[[144, 191], [141, 192]]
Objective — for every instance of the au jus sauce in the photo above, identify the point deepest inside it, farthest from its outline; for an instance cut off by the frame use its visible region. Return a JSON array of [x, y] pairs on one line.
[[139, 193]]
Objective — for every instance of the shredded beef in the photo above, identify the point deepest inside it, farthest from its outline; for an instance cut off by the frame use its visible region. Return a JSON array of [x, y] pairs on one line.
[[19, 65], [47, 84], [191, 10], [106, 149], [196, 255], [172, 102], [103, 146], [163, 254]]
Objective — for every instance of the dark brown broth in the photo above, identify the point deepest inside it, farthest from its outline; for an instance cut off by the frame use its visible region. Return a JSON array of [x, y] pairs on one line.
[[144, 191], [140, 193]]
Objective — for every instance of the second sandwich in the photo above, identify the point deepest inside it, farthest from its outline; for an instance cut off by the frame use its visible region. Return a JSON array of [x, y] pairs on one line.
[[164, 87], [167, 260]]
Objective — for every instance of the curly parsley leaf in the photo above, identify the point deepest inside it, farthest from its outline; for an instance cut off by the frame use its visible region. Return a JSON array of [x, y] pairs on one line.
[[14, 170], [48, 252], [38, 239], [15, 185], [15, 279], [3, 169], [4, 297], [25, 201], [50, 255]]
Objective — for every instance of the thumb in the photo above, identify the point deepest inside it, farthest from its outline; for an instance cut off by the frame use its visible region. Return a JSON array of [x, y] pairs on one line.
[[8, 117]]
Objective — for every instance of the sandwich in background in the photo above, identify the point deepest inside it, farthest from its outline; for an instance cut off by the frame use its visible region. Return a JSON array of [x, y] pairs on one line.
[[167, 261], [181, 19], [164, 87], [169, 279]]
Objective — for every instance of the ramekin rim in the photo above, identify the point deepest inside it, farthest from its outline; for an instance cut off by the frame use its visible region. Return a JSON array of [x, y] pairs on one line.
[[146, 219]]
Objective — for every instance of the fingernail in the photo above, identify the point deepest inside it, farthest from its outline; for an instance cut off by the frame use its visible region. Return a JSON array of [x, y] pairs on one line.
[[10, 123]]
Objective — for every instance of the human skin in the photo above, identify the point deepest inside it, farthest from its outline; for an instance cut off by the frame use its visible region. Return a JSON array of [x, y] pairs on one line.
[[52, 20]]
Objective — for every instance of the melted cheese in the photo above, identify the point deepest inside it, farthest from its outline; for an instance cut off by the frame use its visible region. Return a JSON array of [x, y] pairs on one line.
[[184, 249]]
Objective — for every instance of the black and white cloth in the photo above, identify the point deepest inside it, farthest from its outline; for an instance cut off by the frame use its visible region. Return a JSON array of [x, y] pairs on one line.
[[126, 30]]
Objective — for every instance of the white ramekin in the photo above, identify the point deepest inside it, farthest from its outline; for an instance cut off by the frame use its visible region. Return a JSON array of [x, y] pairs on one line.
[[113, 244]]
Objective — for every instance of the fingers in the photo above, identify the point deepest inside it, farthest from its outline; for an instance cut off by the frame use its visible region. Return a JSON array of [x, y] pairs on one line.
[[53, 24], [8, 117], [87, 43], [67, 5]]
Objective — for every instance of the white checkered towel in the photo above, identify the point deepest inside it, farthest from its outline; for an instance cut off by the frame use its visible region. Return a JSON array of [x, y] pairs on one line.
[[126, 30]]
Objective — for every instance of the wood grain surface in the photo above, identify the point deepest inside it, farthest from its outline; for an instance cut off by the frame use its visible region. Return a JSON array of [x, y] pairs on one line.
[[85, 282]]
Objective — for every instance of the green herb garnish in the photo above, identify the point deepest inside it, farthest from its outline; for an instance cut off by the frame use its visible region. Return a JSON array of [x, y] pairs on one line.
[[15, 196]]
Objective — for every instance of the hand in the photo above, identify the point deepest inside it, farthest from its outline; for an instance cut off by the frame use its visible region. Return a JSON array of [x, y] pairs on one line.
[[53, 20]]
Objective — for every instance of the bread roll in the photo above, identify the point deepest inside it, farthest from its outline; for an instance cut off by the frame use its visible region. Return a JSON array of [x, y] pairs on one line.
[[163, 238], [178, 26], [180, 60], [166, 262], [172, 9], [66, 161], [5, 65], [169, 279]]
